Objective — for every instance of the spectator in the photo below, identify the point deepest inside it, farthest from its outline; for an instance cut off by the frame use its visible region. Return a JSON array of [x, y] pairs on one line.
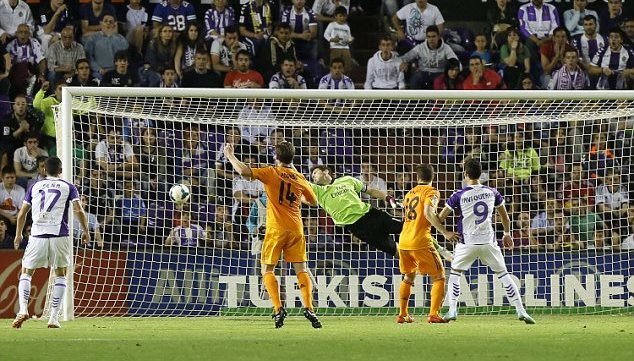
[[5, 68], [24, 119], [27, 61], [45, 104], [120, 76], [256, 223], [303, 29], [245, 191], [371, 179], [481, 50], [193, 156], [515, 59], [526, 82], [186, 47], [502, 15], [336, 79], [584, 223], [115, 156], [6, 239], [451, 79], [543, 223], [153, 166], [54, 17], [63, 55], [614, 63], [278, 47], [11, 195], [432, 55], [520, 160], [132, 214], [570, 76], [324, 10], [401, 185], [92, 15], [577, 187], [200, 76], [538, 21], [417, 17], [25, 159], [243, 76], [161, 50], [217, 19], [574, 18], [339, 36], [256, 118], [220, 179], [628, 29], [552, 53], [188, 234], [100, 197], [612, 204], [168, 78], [522, 236], [562, 239], [628, 242], [383, 71], [93, 226], [223, 51], [222, 231], [612, 17], [136, 22], [176, 13], [481, 78], [312, 158], [14, 13], [256, 23], [41, 171], [103, 45], [82, 75], [287, 77], [602, 155], [588, 44]]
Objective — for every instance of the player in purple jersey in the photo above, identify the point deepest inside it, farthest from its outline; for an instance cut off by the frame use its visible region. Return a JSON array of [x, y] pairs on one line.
[[474, 206], [49, 243]]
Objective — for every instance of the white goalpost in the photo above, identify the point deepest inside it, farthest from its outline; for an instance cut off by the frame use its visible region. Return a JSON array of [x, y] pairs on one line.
[[562, 160]]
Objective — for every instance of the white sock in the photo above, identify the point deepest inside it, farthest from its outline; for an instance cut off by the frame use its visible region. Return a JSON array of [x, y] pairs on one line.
[[512, 292], [453, 289], [24, 290], [59, 289]]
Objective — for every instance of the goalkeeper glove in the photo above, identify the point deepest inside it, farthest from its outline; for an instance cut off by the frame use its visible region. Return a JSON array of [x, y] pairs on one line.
[[393, 202]]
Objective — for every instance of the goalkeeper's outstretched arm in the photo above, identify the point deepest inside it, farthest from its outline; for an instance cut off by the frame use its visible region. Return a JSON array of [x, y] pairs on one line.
[[379, 194]]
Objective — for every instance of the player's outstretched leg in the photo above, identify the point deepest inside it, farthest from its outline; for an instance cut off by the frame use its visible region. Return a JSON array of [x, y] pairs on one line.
[[454, 293], [513, 295], [437, 295], [273, 289], [24, 290]]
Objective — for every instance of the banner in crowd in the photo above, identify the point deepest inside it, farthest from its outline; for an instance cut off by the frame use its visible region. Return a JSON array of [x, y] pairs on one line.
[[187, 284]]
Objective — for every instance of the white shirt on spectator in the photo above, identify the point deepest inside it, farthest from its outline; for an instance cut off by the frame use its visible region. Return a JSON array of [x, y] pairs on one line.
[[327, 7], [113, 155], [430, 60], [573, 20], [10, 18], [417, 21], [334, 29], [219, 48], [384, 74], [252, 188], [135, 17], [256, 120], [11, 200], [27, 161], [612, 200]]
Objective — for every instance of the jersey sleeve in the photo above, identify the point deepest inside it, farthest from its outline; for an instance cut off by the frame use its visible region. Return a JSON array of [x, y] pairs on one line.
[[308, 192], [73, 193], [159, 13], [28, 198], [454, 201], [432, 197], [499, 200], [357, 184]]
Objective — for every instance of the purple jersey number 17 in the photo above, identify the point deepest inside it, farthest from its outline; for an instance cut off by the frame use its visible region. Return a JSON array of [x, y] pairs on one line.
[[56, 195]]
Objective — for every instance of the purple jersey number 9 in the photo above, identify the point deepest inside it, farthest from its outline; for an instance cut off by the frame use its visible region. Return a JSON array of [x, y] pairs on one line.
[[481, 209]]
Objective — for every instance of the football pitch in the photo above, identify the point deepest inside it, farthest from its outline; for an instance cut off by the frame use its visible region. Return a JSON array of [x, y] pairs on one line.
[[496, 337]]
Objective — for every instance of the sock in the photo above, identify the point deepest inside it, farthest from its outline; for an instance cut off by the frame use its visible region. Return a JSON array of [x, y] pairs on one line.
[[454, 290], [437, 295], [59, 289], [512, 292], [273, 288], [306, 288], [404, 292], [24, 290]]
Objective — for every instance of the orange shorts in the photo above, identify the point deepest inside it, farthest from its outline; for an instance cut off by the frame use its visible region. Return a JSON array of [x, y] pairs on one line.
[[277, 240], [424, 261]]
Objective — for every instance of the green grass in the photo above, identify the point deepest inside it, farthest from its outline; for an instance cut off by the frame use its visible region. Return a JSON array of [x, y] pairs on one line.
[[496, 337]]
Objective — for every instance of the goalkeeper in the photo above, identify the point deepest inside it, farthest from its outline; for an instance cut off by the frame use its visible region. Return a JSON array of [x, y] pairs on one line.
[[340, 199]]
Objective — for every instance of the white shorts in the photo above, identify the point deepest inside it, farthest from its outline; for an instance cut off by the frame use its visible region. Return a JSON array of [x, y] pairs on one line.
[[489, 254], [44, 252]]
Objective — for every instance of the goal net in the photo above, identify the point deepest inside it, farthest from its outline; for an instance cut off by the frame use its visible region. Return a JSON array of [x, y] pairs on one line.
[[561, 160]]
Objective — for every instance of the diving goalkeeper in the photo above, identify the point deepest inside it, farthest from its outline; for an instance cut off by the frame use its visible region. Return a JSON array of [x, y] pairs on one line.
[[340, 199]]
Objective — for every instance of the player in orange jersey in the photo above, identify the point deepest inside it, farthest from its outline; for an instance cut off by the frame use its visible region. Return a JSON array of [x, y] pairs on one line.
[[285, 188], [416, 248]]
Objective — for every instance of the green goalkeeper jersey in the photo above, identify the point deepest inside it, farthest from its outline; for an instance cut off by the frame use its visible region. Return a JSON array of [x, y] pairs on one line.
[[341, 200]]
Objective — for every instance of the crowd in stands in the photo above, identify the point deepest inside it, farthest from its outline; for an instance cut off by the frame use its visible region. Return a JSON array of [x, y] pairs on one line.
[[561, 196]]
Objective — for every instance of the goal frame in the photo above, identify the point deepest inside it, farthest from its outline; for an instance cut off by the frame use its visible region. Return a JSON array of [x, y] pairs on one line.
[[65, 121]]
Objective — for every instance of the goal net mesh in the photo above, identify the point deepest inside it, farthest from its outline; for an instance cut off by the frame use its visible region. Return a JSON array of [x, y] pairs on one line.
[[563, 167]]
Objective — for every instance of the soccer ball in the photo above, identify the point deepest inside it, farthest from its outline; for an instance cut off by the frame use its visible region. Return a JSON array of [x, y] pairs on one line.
[[179, 193]]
